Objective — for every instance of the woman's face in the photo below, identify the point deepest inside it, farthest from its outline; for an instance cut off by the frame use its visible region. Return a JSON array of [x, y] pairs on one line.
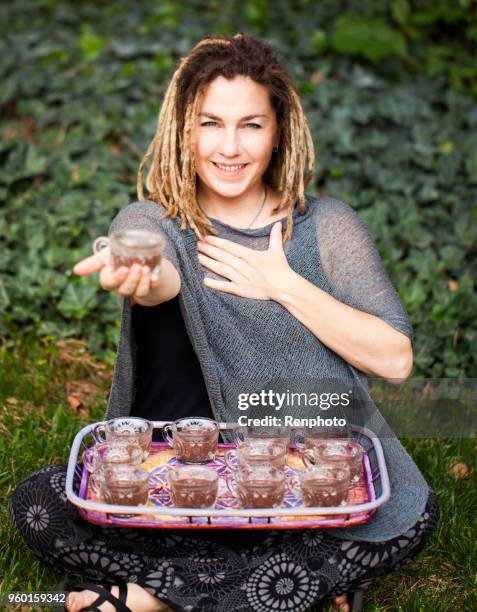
[[236, 133]]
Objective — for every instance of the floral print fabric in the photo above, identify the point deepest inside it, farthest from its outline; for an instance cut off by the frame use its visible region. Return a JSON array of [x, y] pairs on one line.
[[260, 571]]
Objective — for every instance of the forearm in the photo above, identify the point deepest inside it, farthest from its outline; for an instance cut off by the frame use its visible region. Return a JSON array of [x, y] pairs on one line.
[[168, 287], [363, 340]]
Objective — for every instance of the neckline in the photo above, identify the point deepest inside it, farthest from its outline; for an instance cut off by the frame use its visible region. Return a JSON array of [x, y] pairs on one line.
[[264, 230]]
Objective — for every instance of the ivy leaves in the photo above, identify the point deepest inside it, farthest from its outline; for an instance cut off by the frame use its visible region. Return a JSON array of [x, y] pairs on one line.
[[81, 89]]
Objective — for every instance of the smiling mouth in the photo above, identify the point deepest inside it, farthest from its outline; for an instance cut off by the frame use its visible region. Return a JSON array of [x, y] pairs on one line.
[[229, 167]]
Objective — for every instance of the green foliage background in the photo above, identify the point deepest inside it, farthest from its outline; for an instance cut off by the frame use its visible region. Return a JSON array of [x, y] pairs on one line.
[[390, 92]]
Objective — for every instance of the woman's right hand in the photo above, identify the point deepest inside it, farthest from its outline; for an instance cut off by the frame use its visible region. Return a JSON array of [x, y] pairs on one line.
[[136, 281]]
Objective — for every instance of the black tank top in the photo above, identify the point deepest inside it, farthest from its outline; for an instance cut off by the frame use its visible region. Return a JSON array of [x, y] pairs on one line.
[[169, 380]]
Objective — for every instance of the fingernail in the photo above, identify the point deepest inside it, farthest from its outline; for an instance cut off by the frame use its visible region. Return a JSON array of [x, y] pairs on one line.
[[155, 278], [145, 269]]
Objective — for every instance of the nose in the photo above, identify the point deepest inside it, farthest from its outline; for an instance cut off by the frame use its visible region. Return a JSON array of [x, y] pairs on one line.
[[229, 144]]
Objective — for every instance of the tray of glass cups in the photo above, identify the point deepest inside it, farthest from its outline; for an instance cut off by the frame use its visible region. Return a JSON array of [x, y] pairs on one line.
[[261, 478]]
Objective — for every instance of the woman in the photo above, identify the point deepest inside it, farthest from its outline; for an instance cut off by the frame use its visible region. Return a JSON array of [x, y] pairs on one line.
[[259, 283]]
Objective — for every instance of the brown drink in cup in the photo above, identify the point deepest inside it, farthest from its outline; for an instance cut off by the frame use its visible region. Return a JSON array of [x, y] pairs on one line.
[[132, 431], [266, 435], [258, 486], [193, 439], [109, 455], [255, 451], [343, 453], [125, 486], [128, 247], [193, 486], [325, 485]]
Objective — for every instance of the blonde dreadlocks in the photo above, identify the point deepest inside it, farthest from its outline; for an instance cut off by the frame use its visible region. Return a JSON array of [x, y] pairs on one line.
[[171, 179]]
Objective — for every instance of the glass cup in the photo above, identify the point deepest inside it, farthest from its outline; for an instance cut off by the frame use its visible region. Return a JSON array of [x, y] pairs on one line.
[[340, 452], [109, 455], [269, 435], [254, 451], [127, 247], [258, 486], [324, 485], [125, 485], [194, 439], [304, 439], [193, 486], [126, 430]]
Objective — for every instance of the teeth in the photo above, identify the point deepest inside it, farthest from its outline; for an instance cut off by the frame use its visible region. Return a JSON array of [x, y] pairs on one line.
[[229, 168]]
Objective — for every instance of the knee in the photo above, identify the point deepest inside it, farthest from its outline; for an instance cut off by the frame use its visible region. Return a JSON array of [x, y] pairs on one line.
[[431, 514], [37, 504], [419, 535]]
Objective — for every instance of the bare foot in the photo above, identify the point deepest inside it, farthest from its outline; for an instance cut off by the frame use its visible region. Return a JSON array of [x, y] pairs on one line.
[[138, 600], [342, 602]]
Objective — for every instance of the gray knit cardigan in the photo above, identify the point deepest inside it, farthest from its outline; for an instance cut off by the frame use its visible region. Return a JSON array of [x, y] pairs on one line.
[[245, 344]]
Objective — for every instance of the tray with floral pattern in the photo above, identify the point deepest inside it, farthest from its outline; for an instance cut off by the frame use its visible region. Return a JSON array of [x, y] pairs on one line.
[[364, 497]]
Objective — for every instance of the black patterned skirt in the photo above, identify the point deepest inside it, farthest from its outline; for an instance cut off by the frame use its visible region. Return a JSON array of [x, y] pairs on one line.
[[290, 570]]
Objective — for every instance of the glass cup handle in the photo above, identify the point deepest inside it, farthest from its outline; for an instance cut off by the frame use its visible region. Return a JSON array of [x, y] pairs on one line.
[[99, 247], [294, 485], [156, 269], [232, 486], [166, 434], [239, 436], [99, 433], [309, 458], [95, 484], [229, 456], [88, 459]]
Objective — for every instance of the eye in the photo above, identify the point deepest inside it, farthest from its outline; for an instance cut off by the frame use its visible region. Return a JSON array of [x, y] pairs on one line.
[[209, 123], [255, 126]]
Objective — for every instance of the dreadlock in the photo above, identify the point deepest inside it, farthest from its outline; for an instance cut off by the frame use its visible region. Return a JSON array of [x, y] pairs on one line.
[[171, 179]]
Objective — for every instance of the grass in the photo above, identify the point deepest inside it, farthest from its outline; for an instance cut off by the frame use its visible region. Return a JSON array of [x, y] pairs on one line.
[[49, 391], [37, 427]]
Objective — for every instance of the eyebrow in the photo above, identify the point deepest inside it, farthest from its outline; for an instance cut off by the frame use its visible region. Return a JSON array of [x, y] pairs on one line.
[[242, 119]]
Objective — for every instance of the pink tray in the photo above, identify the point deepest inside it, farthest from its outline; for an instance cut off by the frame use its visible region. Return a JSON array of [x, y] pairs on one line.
[[362, 501]]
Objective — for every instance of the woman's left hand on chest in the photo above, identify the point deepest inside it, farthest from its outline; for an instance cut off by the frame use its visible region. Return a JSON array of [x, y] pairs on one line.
[[250, 273]]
